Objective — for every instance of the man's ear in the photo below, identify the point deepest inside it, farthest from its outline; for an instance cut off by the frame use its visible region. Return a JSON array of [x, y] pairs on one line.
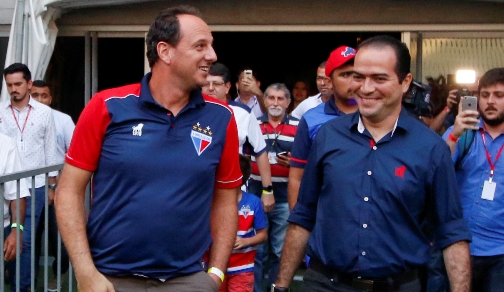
[[164, 51], [406, 82], [228, 86]]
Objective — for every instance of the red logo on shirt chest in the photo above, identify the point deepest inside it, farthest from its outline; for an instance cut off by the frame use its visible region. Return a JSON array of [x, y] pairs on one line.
[[399, 171]]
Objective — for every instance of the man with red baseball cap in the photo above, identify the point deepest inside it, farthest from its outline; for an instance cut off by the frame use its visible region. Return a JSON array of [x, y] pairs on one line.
[[339, 68]]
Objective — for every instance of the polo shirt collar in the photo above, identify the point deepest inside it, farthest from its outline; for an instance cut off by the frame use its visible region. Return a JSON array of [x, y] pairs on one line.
[[331, 108], [31, 102], [195, 99], [265, 119], [404, 121]]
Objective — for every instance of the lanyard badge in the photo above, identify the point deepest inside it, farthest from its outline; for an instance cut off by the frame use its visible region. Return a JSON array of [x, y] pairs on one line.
[[489, 186]]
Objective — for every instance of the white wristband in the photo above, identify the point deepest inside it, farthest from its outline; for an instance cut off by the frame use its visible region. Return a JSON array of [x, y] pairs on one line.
[[217, 272]]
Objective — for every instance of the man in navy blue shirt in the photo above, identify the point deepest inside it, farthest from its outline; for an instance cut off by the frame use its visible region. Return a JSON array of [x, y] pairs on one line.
[[163, 160], [478, 164], [376, 184]]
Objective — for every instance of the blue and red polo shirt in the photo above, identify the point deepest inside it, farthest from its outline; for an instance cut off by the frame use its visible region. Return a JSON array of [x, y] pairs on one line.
[[154, 178]]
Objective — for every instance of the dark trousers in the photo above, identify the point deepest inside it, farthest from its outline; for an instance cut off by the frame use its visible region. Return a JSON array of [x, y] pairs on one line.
[[487, 273], [314, 281]]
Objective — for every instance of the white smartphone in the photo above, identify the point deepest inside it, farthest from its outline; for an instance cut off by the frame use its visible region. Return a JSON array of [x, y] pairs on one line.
[[247, 73], [469, 103]]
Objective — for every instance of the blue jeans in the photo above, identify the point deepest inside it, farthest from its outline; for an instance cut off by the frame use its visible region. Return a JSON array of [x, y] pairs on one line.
[[488, 273], [437, 279], [25, 259], [270, 251]]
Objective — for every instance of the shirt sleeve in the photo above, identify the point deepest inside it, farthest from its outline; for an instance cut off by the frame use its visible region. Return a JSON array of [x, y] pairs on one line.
[[50, 147], [444, 193], [255, 137], [13, 164], [445, 136], [228, 174], [301, 146], [304, 212], [85, 148], [259, 217], [68, 128]]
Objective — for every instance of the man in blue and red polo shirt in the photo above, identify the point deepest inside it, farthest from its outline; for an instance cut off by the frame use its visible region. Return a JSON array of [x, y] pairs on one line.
[[163, 159]]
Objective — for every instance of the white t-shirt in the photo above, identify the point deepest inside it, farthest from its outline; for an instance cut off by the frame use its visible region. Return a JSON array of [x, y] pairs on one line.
[[248, 127], [9, 163], [306, 105]]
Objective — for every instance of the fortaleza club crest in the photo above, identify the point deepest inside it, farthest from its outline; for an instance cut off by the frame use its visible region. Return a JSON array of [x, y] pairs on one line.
[[201, 137]]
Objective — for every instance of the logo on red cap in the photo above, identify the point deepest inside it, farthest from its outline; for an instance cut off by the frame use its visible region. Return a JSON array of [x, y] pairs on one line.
[[339, 57]]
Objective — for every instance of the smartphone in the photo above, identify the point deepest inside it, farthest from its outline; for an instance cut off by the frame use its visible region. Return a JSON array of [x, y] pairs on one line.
[[469, 103], [282, 153], [247, 73]]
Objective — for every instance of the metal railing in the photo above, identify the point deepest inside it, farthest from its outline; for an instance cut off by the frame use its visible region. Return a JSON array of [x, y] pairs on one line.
[[19, 177]]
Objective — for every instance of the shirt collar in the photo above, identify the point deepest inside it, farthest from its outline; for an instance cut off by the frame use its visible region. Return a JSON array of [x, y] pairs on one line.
[[331, 108], [404, 121], [31, 102], [195, 98], [265, 119]]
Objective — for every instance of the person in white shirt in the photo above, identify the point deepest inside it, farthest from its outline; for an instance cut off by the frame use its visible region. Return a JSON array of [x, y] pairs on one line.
[[249, 134], [9, 163], [65, 126], [249, 92], [324, 87], [31, 125]]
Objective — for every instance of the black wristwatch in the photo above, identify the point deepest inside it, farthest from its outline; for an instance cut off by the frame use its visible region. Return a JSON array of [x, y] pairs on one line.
[[274, 288], [52, 186], [268, 188]]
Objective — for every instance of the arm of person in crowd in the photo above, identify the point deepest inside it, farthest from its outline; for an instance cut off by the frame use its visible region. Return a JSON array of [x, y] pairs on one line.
[[50, 152], [436, 124], [292, 254], [295, 176], [71, 217], [458, 266], [253, 86], [465, 120], [223, 225], [265, 172], [12, 239], [260, 237]]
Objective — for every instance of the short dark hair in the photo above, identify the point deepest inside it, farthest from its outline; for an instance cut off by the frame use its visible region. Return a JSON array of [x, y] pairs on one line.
[[18, 67], [491, 77], [219, 69], [322, 65], [41, 84], [166, 28], [245, 168], [403, 57]]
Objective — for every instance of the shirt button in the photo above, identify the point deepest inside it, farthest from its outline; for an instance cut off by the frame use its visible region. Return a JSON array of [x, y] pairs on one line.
[[363, 253], [364, 225], [369, 172], [374, 147], [366, 199]]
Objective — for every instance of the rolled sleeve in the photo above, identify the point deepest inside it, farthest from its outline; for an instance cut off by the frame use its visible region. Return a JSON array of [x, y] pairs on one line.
[[302, 145], [451, 232]]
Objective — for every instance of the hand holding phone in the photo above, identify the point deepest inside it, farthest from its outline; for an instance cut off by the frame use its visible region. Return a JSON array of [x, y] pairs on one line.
[[281, 153]]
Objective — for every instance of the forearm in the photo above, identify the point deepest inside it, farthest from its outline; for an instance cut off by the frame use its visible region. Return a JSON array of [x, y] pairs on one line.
[[71, 217], [458, 266], [259, 238], [292, 254], [22, 211], [223, 225], [437, 122], [264, 169], [295, 175]]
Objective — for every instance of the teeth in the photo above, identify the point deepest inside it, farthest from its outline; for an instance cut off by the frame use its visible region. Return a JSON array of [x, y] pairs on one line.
[[204, 68]]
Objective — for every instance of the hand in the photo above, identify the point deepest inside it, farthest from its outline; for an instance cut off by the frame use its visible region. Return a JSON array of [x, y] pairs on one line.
[[284, 160], [50, 196], [463, 121], [250, 85], [217, 280], [10, 245], [268, 201], [96, 282], [240, 243], [451, 100]]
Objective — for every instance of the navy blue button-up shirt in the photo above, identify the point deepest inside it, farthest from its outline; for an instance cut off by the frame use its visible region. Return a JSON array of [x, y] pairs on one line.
[[371, 205]]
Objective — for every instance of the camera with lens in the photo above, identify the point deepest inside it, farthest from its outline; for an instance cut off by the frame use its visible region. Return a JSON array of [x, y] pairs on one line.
[[417, 100]]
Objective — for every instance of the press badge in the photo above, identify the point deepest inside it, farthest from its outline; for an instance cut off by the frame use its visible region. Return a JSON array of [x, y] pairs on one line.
[[488, 190], [272, 157]]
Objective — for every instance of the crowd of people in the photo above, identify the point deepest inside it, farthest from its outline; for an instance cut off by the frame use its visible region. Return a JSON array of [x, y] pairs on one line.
[[194, 191]]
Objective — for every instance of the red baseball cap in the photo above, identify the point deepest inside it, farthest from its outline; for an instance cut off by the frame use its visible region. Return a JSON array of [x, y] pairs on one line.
[[339, 57]]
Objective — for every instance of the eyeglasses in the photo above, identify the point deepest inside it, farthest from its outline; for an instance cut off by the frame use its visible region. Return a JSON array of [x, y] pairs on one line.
[[214, 83]]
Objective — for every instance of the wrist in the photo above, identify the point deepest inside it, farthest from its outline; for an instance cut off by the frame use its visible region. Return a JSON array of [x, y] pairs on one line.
[[446, 109], [217, 272], [452, 137], [15, 225], [275, 288], [52, 186], [267, 190]]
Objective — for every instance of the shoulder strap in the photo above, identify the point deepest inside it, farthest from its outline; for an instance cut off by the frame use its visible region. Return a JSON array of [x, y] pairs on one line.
[[463, 145]]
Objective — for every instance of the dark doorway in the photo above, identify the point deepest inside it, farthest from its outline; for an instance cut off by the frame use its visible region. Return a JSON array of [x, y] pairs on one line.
[[275, 56]]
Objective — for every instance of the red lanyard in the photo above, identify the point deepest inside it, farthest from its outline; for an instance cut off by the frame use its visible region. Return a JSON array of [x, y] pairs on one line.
[[277, 134], [17, 123], [489, 158]]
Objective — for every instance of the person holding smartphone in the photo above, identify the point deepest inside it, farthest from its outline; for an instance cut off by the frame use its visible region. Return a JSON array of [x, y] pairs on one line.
[[477, 141]]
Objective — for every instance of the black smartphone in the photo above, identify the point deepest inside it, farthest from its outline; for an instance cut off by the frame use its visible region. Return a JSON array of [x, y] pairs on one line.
[[282, 153]]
